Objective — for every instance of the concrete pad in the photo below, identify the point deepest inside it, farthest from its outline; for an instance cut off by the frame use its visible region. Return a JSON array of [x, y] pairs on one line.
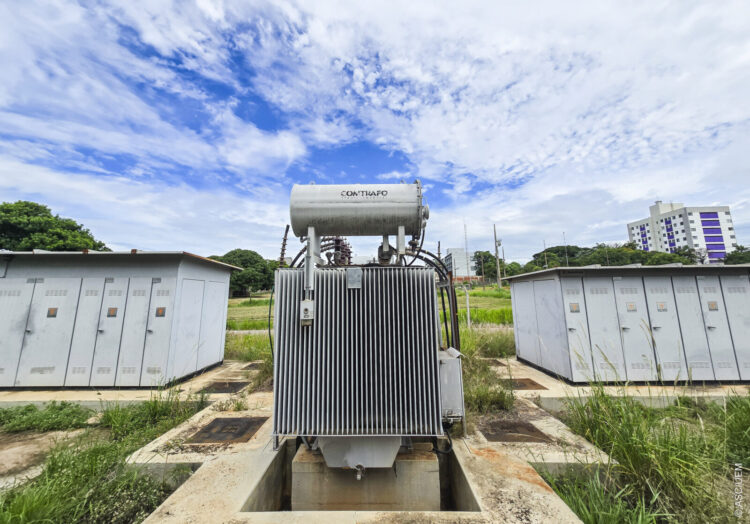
[[22, 455], [412, 484], [248, 482], [95, 398], [557, 391]]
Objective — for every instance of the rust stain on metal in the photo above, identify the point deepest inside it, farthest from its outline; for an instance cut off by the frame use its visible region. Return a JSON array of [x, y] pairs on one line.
[[511, 467], [228, 430]]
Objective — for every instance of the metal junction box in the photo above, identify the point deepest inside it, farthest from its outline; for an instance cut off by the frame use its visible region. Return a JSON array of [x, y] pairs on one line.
[[74, 319], [635, 323]]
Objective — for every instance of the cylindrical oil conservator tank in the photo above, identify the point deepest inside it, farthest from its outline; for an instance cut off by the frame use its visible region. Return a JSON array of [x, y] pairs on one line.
[[357, 209]]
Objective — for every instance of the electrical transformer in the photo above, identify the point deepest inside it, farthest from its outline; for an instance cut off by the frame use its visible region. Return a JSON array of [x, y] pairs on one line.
[[359, 364]]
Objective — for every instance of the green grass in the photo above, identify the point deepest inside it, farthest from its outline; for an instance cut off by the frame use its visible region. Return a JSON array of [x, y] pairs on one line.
[[251, 302], [675, 461], [52, 417], [484, 392], [491, 343], [596, 503], [247, 347], [248, 324], [86, 479]]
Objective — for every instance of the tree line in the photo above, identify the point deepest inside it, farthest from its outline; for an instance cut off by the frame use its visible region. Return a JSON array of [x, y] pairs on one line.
[[27, 225]]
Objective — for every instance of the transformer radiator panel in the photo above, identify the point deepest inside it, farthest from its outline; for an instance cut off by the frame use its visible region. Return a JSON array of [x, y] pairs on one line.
[[368, 364]]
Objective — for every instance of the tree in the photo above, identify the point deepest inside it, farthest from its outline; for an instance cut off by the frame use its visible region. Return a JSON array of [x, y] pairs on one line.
[[487, 260], [741, 255], [27, 225], [256, 274]]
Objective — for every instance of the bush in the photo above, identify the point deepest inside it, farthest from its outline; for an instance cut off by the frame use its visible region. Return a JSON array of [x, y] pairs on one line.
[[53, 417], [484, 392]]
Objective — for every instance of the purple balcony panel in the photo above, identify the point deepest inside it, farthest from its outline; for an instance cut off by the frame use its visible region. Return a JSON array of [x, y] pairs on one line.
[[716, 247], [712, 231], [712, 214], [716, 254], [645, 248], [705, 223], [715, 239]]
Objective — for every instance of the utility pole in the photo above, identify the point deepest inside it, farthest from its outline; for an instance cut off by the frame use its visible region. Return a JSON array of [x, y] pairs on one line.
[[505, 273], [439, 250], [466, 250], [565, 243], [544, 245], [497, 259]]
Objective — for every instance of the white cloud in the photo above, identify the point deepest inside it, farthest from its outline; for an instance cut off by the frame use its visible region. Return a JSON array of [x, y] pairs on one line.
[[542, 118]]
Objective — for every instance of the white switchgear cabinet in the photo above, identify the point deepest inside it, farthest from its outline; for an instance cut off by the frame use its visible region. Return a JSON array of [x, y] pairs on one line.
[[635, 323], [128, 319]]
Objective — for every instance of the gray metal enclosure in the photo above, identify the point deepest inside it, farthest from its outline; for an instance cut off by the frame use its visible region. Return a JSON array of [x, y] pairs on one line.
[[128, 319], [635, 323]]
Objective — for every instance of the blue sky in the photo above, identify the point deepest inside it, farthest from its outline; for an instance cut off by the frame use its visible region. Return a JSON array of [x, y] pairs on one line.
[[183, 125]]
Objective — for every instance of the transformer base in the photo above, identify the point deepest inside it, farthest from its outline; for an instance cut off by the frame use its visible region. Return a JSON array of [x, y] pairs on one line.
[[412, 484]]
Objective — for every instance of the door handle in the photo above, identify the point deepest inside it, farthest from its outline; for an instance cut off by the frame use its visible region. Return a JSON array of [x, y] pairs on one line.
[[100, 330], [656, 327], [28, 330], [711, 327], [571, 329], [625, 328], [149, 330]]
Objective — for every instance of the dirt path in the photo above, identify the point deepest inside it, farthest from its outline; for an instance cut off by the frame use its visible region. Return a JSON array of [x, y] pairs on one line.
[[22, 454]]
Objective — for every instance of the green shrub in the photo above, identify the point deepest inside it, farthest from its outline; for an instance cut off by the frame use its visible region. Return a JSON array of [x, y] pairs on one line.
[[53, 417]]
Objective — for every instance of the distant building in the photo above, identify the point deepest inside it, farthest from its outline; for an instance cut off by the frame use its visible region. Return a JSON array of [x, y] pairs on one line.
[[672, 226], [455, 260]]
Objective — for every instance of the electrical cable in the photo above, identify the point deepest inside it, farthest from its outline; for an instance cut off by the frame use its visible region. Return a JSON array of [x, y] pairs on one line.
[[436, 449]]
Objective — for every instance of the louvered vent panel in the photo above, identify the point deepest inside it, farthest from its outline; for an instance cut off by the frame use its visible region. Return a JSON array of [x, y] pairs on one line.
[[368, 364]]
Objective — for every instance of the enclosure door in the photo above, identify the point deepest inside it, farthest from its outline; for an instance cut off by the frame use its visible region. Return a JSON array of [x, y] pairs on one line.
[[188, 326], [553, 338], [84, 333], [737, 301], [46, 346], [15, 300], [604, 328], [158, 332], [717, 328], [635, 329], [524, 320], [697, 356], [133, 332], [665, 329], [109, 332], [576, 321], [212, 324]]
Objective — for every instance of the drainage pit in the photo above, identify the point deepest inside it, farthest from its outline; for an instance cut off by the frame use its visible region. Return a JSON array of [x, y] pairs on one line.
[[229, 430], [420, 480], [225, 386]]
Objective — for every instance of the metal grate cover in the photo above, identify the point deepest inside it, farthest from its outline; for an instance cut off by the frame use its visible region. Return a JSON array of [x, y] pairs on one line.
[[368, 364], [225, 386], [228, 430]]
